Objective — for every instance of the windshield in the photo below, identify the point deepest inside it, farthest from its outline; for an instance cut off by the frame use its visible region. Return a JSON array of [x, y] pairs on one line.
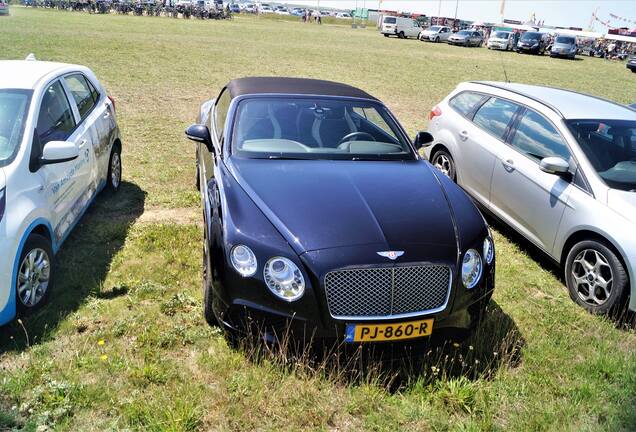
[[434, 28], [463, 33], [529, 36], [565, 40], [14, 105], [388, 20], [501, 35], [316, 128], [610, 146]]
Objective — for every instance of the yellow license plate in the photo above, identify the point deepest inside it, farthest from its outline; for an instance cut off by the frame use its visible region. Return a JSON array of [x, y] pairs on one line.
[[388, 332]]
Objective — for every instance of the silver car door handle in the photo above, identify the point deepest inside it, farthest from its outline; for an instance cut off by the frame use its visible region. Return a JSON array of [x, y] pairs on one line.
[[107, 114], [82, 143], [463, 135], [509, 163]]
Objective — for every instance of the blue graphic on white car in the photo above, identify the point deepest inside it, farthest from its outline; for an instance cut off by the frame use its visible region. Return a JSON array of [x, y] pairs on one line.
[[59, 147]]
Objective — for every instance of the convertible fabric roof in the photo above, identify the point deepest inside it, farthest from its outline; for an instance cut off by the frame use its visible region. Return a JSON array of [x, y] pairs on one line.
[[302, 86]]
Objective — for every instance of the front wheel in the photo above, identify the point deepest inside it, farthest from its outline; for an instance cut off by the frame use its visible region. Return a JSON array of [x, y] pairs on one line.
[[35, 273], [595, 277], [386, 35], [113, 180], [443, 161], [401, 35]]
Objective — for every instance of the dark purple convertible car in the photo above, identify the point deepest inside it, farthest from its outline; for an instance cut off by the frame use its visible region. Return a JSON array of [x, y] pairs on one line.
[[321, 217]]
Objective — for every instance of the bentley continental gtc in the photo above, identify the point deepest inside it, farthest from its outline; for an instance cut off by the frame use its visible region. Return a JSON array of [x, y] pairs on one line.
[[321, 217]]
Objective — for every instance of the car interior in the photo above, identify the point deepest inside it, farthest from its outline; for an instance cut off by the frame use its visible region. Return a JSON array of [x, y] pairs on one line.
[[611, 149], [292, 126]]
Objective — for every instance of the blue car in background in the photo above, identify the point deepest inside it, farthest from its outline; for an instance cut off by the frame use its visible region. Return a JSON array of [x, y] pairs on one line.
[[321, 219]]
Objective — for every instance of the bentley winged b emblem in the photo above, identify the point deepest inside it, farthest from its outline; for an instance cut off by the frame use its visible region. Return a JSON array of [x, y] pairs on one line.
[[392, 255]]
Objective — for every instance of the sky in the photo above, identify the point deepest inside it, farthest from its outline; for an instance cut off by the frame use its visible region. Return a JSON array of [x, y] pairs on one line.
[[567, 13]]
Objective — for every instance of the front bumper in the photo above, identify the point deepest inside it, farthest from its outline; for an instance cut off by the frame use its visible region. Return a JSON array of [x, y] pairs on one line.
[[631, 66], [7, 292], [533, 50], [246, 307]]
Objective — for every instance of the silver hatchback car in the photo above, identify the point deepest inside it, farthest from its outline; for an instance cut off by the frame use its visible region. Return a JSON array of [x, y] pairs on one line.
[[557, 166]]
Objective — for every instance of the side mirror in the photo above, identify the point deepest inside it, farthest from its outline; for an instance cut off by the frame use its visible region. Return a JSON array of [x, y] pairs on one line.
[[200, 133], [422, 139], [554, 165], [58, 152]]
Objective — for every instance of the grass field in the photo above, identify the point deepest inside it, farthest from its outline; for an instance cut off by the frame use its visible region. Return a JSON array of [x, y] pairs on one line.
[[123, 345]]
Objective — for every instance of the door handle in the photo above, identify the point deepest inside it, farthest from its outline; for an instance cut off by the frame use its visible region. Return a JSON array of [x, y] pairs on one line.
[[463, 135], [82, 143], [107, 114], [508, 164]]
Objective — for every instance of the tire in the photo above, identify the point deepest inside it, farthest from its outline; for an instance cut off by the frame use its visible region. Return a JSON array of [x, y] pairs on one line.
[[208, 295], [443, 161], [401, 35], [33, 288], [588, 264], [113, 180], [437, 39], [386, 35]]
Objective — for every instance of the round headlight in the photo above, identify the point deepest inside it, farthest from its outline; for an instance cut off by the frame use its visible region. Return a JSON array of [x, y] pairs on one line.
[[489, 250], [471, 268], [284, 278], [243, 260]]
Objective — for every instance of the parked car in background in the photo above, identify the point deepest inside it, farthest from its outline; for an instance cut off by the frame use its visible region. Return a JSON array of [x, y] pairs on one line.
[[435, 34], [265, 8], [631, 63], [564, 46], [558, 167], [502, 40], [343, 15], [533, 43], [235, 8], [466, 38], [4, 8], [281, 10], [297, 12], [313, 197], [59, 147], [401, 27]]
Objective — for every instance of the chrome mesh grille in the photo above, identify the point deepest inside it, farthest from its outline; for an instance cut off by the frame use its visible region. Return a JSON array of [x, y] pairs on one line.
[[387, 291]]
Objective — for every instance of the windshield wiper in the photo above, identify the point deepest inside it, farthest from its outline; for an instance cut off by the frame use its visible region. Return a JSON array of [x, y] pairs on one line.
[[285, 157]]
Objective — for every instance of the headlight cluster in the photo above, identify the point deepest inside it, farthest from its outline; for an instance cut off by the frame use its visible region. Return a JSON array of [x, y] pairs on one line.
[[243, 260], [284, 278], [281, 275], [473, 265], [471, 268], [488, 250]]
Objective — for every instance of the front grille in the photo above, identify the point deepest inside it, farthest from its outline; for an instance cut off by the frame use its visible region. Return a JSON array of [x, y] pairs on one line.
[[387, 292]]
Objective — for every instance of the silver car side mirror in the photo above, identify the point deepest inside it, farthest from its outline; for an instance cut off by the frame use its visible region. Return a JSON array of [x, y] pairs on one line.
[[554, 165]]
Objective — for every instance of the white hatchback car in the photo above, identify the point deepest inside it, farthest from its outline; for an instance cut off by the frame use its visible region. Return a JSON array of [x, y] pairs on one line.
[[59, 147]]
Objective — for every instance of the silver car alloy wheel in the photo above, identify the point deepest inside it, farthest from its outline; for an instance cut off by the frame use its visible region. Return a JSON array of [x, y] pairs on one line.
[[115, 170], [33, 278], [443, 163], [593, 277]]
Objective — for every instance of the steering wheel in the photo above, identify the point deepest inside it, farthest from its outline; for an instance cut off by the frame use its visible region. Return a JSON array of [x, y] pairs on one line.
[[355, 134]]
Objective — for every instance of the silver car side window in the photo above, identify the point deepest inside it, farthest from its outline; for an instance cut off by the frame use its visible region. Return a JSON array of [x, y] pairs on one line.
[[464, 103], [537, 138], [495, 115]]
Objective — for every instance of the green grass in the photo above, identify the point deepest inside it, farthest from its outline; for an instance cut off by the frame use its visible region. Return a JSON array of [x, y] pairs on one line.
[[123, 345]]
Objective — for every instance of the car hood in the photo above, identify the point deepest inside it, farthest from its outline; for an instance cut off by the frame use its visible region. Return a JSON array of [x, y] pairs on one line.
[[318, 204], [457, 37], [429, 32], [498, 40], [623, 203]]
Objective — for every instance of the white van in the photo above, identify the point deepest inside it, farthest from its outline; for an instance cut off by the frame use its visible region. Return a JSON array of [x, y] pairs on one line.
[[400, 27]]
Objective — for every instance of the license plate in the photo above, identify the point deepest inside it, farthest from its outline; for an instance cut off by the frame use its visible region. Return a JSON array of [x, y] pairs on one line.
[[388, 332]]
